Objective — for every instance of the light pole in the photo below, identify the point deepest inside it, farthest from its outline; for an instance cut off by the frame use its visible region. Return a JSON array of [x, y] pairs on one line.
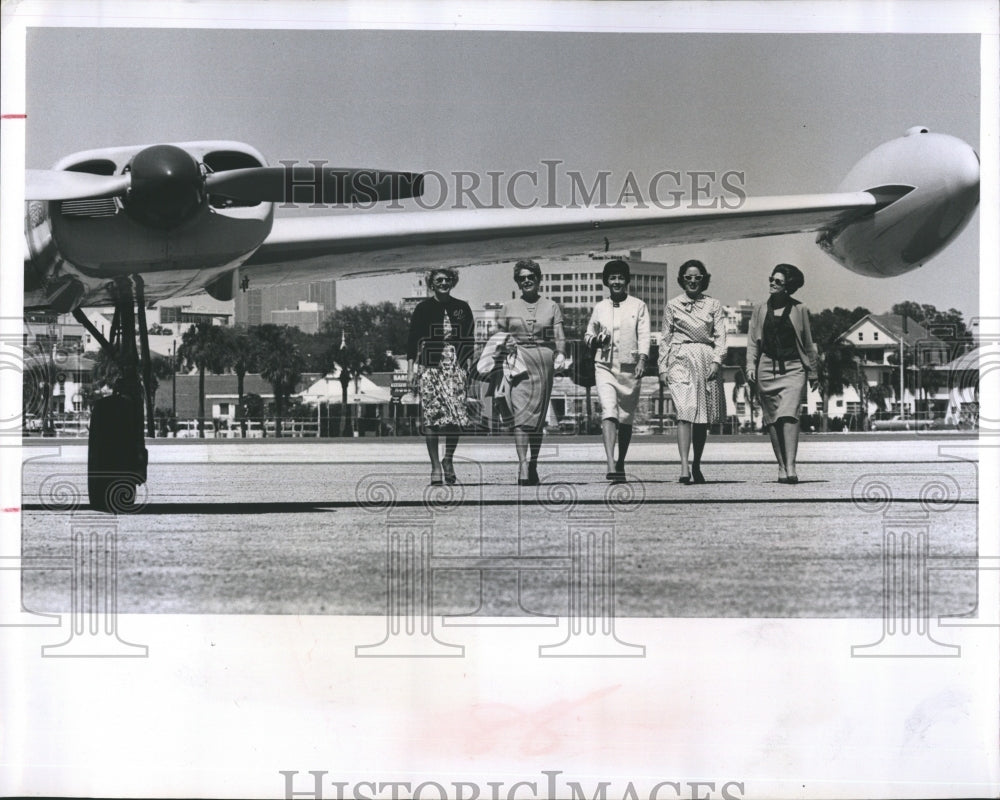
[[902, 372], [173, 380]]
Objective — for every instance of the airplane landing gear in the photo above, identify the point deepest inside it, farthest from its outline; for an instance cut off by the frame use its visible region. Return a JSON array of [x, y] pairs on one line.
[[116, 454]]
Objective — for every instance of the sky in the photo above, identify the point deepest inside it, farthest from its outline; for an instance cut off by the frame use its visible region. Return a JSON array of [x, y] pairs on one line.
[[791, 112]]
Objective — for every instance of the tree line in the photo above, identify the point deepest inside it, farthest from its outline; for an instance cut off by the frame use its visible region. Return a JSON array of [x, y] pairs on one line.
[[364, 338]]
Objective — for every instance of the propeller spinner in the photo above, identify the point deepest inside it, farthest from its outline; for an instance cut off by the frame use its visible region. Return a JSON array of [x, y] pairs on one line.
[[164, 185]]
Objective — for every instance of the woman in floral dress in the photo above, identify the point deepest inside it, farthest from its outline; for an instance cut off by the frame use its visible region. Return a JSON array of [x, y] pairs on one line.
[[438, 352]]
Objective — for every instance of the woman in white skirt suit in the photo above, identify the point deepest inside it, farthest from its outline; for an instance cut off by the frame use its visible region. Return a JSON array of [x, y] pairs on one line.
[[618, 335]]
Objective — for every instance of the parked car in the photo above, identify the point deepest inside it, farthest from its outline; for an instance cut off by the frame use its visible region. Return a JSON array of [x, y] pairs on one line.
[[898, 423]]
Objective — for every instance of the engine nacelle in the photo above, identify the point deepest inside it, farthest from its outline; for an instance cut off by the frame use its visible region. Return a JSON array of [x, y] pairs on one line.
[[928, 187]]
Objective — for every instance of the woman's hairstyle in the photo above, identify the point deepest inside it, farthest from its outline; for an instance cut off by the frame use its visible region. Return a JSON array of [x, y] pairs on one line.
[[531, 266], [616, 267], [794, 279], [705, 277], [449, 271]]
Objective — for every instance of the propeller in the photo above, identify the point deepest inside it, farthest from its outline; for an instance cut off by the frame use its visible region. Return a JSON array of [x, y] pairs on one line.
[[164, 185], [52, 184], [327, 185]]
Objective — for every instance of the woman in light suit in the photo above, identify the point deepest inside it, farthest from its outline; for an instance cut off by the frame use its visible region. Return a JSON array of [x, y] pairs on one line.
[[618, 333], [781, 357], [535, 326], [692, 349]]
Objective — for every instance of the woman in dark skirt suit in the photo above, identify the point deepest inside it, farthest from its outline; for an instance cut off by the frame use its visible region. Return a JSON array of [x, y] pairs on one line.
[[781, 357], [438, 351], [536, 327]]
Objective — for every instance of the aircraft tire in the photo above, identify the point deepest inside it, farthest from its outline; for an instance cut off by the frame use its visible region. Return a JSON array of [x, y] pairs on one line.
[[116, 455]]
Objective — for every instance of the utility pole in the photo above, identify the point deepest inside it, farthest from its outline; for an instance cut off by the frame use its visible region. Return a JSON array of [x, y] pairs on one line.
[[173, 380], [902, 371]]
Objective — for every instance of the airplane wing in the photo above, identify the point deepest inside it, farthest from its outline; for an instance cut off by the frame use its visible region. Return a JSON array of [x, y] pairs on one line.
[[347, 245]]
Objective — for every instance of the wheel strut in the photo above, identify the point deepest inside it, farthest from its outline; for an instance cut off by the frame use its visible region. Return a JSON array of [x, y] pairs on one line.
[[117, 456]]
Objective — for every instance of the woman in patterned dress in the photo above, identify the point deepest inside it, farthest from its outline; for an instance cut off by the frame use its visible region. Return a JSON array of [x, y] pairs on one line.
[[691, 353], [781, 357], [618, 333], [438, 351], [536, 329]]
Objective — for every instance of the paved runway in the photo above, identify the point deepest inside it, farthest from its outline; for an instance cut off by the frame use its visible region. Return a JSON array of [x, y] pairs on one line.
[[321, 527]]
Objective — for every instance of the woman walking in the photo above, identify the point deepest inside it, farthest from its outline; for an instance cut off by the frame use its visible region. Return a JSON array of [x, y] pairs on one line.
[[618, 334], [781, 357], [438, 350], [536, 329], [692, 349]]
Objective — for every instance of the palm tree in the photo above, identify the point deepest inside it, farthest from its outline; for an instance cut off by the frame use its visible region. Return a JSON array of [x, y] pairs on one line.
[[837, 368], [203, 346], [930, 380], [242, 357], [878, 394], [280, 364]]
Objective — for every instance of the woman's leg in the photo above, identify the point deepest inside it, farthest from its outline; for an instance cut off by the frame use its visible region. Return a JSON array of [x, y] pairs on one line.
[[535, 446], [790, 441], [450, 443], [432, 439], [684, 445], [698, 438], [610, 431], [778, 446], [521, 445], [624, 438]]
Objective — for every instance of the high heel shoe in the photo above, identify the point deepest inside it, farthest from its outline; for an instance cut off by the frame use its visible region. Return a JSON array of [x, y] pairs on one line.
[[696, 476], [449, 471], [533, 475], [685, 479]]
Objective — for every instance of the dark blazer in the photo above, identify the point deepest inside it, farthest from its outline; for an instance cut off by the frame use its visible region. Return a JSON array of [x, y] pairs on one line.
[[427, 340], [798, 314]]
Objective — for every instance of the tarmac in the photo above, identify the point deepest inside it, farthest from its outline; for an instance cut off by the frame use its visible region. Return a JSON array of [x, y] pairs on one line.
[[294, 526]]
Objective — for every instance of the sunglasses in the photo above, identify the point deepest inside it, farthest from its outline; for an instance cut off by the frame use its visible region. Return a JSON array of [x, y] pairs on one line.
[[526, 279], [776, 281], [693, 278], [442, 281]]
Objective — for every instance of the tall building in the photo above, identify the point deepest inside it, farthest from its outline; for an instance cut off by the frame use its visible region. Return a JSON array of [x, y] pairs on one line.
[[257, 306], [574, 282], [307, 317]]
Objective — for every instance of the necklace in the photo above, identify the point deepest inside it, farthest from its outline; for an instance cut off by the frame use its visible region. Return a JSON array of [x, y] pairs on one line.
[[532, 311]]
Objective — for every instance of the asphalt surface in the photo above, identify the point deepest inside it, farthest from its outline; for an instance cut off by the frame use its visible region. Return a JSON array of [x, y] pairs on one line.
[[345, 527]]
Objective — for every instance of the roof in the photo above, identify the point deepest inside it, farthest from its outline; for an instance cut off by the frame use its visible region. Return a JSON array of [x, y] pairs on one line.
[[892, 324]]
